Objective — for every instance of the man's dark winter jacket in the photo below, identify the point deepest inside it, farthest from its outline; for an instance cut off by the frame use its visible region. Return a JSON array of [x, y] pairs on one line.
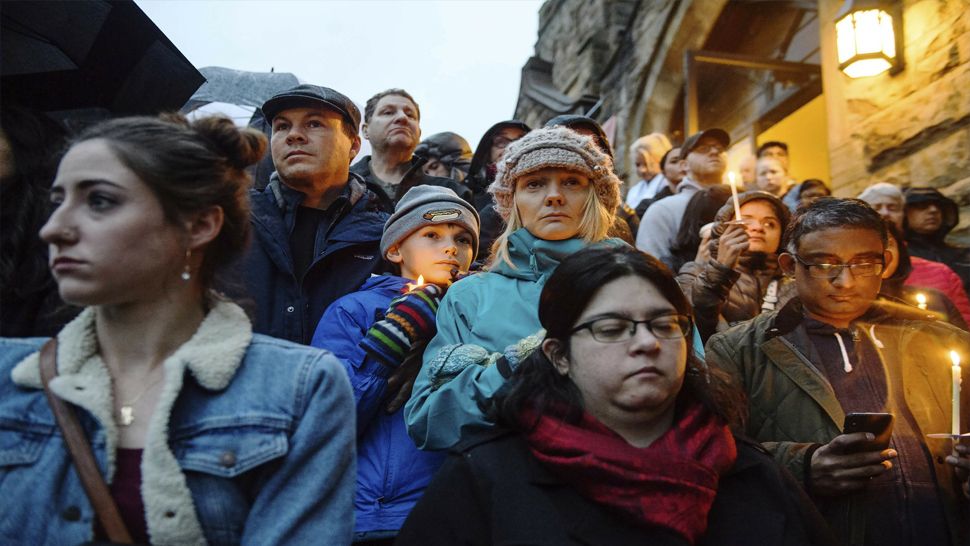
[[492, 490], [413, 177], [793, 408], [346, 253]]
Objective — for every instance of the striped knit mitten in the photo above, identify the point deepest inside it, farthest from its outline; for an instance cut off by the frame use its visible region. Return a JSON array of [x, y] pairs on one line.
[[408, 320]]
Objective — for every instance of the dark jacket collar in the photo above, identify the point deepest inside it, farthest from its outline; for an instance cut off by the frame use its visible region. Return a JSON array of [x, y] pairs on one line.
[[287, 198]]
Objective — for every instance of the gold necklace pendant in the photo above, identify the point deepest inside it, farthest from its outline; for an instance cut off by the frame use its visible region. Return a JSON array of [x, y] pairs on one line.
[[126, 415]]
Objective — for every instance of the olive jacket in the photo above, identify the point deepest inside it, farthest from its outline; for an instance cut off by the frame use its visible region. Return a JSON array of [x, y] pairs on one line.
[[793, 408]]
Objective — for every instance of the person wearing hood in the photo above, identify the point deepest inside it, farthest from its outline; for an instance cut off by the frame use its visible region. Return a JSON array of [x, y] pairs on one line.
[[484, 163], [929, 217], [392, 125], [742, 278], [447, 155], [481, 174], [557, 192], [627, 222], [889, 202], [895, 286], [808, 192]]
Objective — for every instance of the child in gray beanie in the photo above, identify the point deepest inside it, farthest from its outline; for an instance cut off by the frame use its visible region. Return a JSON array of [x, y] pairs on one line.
[[379, 333], [425, 206]]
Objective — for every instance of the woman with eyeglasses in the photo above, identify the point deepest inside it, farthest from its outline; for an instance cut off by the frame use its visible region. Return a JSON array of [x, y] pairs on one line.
[[741, 279], [613, 433]]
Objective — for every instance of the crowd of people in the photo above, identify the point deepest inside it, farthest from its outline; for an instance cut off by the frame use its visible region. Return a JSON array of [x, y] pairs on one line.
[[435, 345]]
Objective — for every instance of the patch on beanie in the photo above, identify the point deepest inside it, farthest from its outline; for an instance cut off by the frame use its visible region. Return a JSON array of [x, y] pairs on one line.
[[441, 215]]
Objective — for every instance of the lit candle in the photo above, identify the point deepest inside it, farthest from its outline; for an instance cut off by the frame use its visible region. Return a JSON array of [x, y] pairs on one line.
[[956, 393], [921, 301], [409, 287], [734, 196]]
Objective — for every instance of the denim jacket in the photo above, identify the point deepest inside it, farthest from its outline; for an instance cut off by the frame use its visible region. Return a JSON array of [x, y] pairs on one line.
[[252, 440]]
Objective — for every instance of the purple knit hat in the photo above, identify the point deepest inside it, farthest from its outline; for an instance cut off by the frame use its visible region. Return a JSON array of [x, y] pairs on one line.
[[556, 147]]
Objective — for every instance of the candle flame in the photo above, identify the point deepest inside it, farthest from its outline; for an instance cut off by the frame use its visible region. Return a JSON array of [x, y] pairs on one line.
[[731, 179], [955, 358], [921, 298], [418, 284]]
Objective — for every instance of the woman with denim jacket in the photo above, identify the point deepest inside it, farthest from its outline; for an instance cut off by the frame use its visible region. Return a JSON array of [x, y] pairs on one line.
[[204, 431]]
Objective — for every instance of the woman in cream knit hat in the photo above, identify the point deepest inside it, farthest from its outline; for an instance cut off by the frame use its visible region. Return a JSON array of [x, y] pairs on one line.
[[557, 192]]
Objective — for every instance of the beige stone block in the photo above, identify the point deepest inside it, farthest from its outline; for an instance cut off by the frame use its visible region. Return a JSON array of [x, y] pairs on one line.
[[945, 100]]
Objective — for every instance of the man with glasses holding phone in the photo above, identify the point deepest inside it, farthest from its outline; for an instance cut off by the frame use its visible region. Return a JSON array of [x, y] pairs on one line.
[[706, 156], [835, 349]]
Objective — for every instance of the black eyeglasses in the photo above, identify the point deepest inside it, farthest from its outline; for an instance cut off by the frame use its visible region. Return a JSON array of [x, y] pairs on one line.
[[832, 271], [616, 329]]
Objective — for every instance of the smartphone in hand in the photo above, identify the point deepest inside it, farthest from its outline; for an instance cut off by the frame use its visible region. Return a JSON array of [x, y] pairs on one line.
[[879, 424]]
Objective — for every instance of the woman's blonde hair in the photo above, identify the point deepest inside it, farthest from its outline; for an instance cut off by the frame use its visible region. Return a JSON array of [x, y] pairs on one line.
[[593, 226]]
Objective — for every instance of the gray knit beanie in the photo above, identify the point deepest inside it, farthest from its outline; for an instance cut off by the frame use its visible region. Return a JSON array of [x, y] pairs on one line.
[[426, 205], [556, 147]]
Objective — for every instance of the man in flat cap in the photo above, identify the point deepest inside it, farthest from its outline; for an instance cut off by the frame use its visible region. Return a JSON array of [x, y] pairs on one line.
[[317, 228]]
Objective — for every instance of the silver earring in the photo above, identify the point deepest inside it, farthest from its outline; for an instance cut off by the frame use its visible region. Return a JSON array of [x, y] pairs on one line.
[[187, 272]]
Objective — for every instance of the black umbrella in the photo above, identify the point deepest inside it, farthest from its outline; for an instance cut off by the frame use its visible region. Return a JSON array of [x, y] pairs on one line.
[[91, 54]]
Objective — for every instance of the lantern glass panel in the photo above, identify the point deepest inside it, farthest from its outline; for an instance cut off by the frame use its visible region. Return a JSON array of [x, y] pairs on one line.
[[867, 67]]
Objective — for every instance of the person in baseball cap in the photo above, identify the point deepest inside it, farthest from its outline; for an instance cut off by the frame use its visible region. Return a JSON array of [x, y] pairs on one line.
[[694, 141], [705, 153]]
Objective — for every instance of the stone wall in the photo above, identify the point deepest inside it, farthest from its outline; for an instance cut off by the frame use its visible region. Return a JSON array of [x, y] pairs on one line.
[[912, 128], [628, 52]]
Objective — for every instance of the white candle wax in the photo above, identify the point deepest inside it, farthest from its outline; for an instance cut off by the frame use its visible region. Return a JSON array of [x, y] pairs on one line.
[[955, 430], [734, 196]]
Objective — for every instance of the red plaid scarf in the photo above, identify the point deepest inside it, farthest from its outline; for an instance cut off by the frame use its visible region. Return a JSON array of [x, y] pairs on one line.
[[671, 483]]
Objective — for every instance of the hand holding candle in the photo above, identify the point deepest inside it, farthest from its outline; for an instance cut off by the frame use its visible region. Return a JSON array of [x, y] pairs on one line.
[[734, 196]]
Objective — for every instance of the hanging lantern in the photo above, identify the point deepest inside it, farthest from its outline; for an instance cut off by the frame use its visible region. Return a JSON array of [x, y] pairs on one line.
[[867, 34]]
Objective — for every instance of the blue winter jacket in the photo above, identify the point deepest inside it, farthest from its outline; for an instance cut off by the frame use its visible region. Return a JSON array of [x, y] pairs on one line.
[[251, 441], [346, 253], [391, 472]]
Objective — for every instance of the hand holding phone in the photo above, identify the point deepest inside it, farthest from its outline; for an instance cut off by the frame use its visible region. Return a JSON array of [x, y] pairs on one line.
[[879, 424]]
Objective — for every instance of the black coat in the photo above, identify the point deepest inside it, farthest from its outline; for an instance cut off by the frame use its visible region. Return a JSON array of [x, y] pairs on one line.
[[413, 177], [347, 253], [493, 491]]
